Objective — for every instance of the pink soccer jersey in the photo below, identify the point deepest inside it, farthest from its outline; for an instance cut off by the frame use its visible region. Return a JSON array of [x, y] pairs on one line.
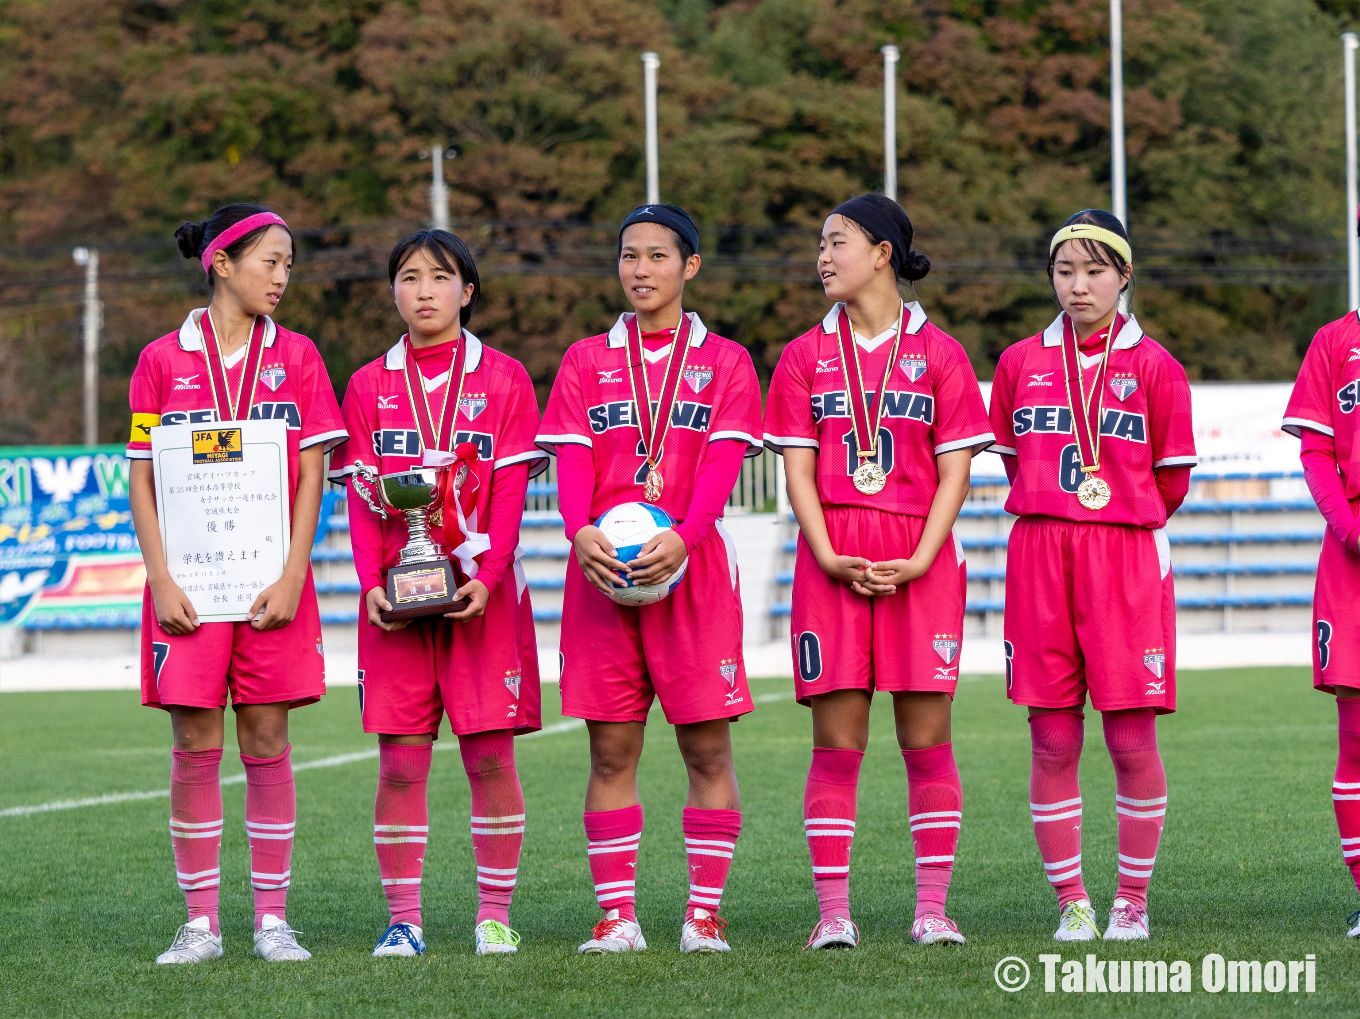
[[1327, 393], [932, 405], [170, 387], [497, 412], [592, 405], [1146, 425]]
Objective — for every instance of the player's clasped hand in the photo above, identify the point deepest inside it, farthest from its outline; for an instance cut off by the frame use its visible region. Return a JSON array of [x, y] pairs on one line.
[[477, 594], [848, 569], [276, 605], [659, 559], [598, 558], [886, 577], [375, 601], [174, 611]]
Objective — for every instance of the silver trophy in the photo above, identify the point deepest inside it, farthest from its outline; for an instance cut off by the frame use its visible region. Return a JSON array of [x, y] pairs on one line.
[[423, 582]]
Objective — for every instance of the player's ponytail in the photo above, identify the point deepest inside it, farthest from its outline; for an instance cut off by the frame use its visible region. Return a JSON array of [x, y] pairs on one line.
[[194, 239], [1120, 256]]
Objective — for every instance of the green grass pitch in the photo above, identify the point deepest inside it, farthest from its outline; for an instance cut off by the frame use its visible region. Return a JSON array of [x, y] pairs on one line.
[[1249, 867]]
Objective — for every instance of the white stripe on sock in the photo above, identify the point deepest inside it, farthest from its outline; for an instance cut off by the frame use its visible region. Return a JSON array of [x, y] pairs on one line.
[[935, 813], [507, 819], [703, 890], [192, 825], [710, 842], [823, 832], [846, 822], [1146, 814], [499, 871], [1060, 864], [603, 897], [1156, 802], [199, 874], [399, 840], [1137, 861], [401, 881], [1129, 872], [831, 870], [498, 831], [935, 824], [707, 852], [934, 859], [215, 833], [1056, 806], [274, 836], [615, 842], [260, 826], [606, 885], [271, 877], [1056, 817], [1055, 878], [597, 850], [401, 827], [495, 882]]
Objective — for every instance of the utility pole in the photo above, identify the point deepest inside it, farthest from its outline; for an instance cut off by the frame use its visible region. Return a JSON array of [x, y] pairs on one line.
[[890, 56], [1117, 181], [1349, 42], [439, 191], [650, 63], [94, 313]]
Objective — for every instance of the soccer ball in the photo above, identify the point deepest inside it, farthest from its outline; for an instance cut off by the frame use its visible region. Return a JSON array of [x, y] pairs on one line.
[[628, 527]]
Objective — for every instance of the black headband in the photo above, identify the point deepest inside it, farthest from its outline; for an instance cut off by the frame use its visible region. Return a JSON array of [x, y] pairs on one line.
[[666, 215], [868, 216]]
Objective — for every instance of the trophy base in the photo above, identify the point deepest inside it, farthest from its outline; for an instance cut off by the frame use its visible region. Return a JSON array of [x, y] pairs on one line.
[[422, 589]]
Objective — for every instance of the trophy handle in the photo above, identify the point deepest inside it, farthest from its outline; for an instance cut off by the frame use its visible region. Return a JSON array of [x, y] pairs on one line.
[[369, 474]]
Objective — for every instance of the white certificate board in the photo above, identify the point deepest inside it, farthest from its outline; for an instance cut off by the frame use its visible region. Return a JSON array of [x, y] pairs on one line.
[[222, 499]]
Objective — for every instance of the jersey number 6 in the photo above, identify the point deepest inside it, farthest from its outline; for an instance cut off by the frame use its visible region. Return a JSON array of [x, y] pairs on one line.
[[1069, 470]]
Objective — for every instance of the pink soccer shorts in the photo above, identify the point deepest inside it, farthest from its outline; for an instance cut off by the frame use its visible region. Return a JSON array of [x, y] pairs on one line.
[[199, 669], [1089, 607], [1336, 638], [905, 641], [686, 649], [483, 673]]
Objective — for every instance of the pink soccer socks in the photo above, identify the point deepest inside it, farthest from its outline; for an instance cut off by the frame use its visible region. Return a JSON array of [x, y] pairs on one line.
[[401, 826], [935, 811], [829, 821], [196, 829], [1055, 799], [1140, 797], [497, 819], [1346, 784], [613, 837], [271, 816], [710, 838]]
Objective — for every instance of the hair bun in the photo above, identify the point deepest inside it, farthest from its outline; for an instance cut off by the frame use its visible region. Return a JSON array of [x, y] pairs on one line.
[[915, 266], [189, 237]]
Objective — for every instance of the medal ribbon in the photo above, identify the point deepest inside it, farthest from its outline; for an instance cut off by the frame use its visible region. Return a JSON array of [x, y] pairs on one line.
[[864, 412], [228, 409], [435, 435], [1086, 424], [654, 429]]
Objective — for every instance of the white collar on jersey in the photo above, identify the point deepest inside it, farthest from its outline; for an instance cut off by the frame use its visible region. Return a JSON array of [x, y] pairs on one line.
[[915, 322], [1130, 336], [191, 337], [618, 333], [395, 359]]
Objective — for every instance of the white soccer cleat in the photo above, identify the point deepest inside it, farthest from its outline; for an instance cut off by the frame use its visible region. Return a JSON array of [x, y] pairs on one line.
[[494, 938], [194, 942], [1077, 922], [614, 934], [400, 941], [838, 932], [1127, 922], [275, 941], [934, 929], [1353, 921], [704, 933]]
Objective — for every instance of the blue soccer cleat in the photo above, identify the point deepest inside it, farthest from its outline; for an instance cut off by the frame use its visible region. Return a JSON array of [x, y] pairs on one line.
[[399, 940]]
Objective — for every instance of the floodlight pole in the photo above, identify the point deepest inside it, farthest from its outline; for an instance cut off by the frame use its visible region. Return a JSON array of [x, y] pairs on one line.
[[650, 63], [1117, 179], [439, 191], [1349, 43], [890, 56], [89, 258]]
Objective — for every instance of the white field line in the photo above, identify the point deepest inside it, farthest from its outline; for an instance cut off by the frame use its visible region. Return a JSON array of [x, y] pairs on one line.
[[567, 725]]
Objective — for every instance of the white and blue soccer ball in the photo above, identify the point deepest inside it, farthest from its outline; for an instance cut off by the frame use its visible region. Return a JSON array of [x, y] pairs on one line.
[[628, 527]]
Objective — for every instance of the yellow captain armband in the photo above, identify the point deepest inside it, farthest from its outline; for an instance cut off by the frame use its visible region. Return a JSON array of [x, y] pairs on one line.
[[142, 425]]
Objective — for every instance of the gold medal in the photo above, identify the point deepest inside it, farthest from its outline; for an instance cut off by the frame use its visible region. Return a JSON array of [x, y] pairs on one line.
[[651, 487], [870, 478], [1094, 493]]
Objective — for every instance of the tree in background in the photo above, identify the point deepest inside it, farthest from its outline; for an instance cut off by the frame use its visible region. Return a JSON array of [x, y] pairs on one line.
[[120, 119]]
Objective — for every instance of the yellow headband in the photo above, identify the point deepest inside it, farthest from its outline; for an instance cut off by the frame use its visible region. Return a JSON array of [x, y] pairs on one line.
[[1087, 231]]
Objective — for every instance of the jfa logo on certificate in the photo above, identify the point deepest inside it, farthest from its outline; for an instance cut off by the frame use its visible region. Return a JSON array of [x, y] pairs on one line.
[[218, 446]]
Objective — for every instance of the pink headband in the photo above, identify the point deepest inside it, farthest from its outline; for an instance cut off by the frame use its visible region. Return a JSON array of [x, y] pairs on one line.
[[236, 231]]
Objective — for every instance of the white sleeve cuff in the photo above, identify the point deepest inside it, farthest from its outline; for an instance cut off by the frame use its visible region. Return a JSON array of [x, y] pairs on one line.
[[549, 443], [778, 443], [1003, 450], [1295, 427], [137, 454], [331, 439], [984, 440], [519, 458], [1176, 461]]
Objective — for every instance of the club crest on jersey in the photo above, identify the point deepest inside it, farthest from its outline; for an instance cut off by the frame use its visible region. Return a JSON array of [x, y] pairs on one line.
[[472, 406], [1123, 386], [1156, 664], [698, 378], [273, 377], [915, 367], [512, 684], [387, 402], [727, 668], [828, 364], [946, 645]]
